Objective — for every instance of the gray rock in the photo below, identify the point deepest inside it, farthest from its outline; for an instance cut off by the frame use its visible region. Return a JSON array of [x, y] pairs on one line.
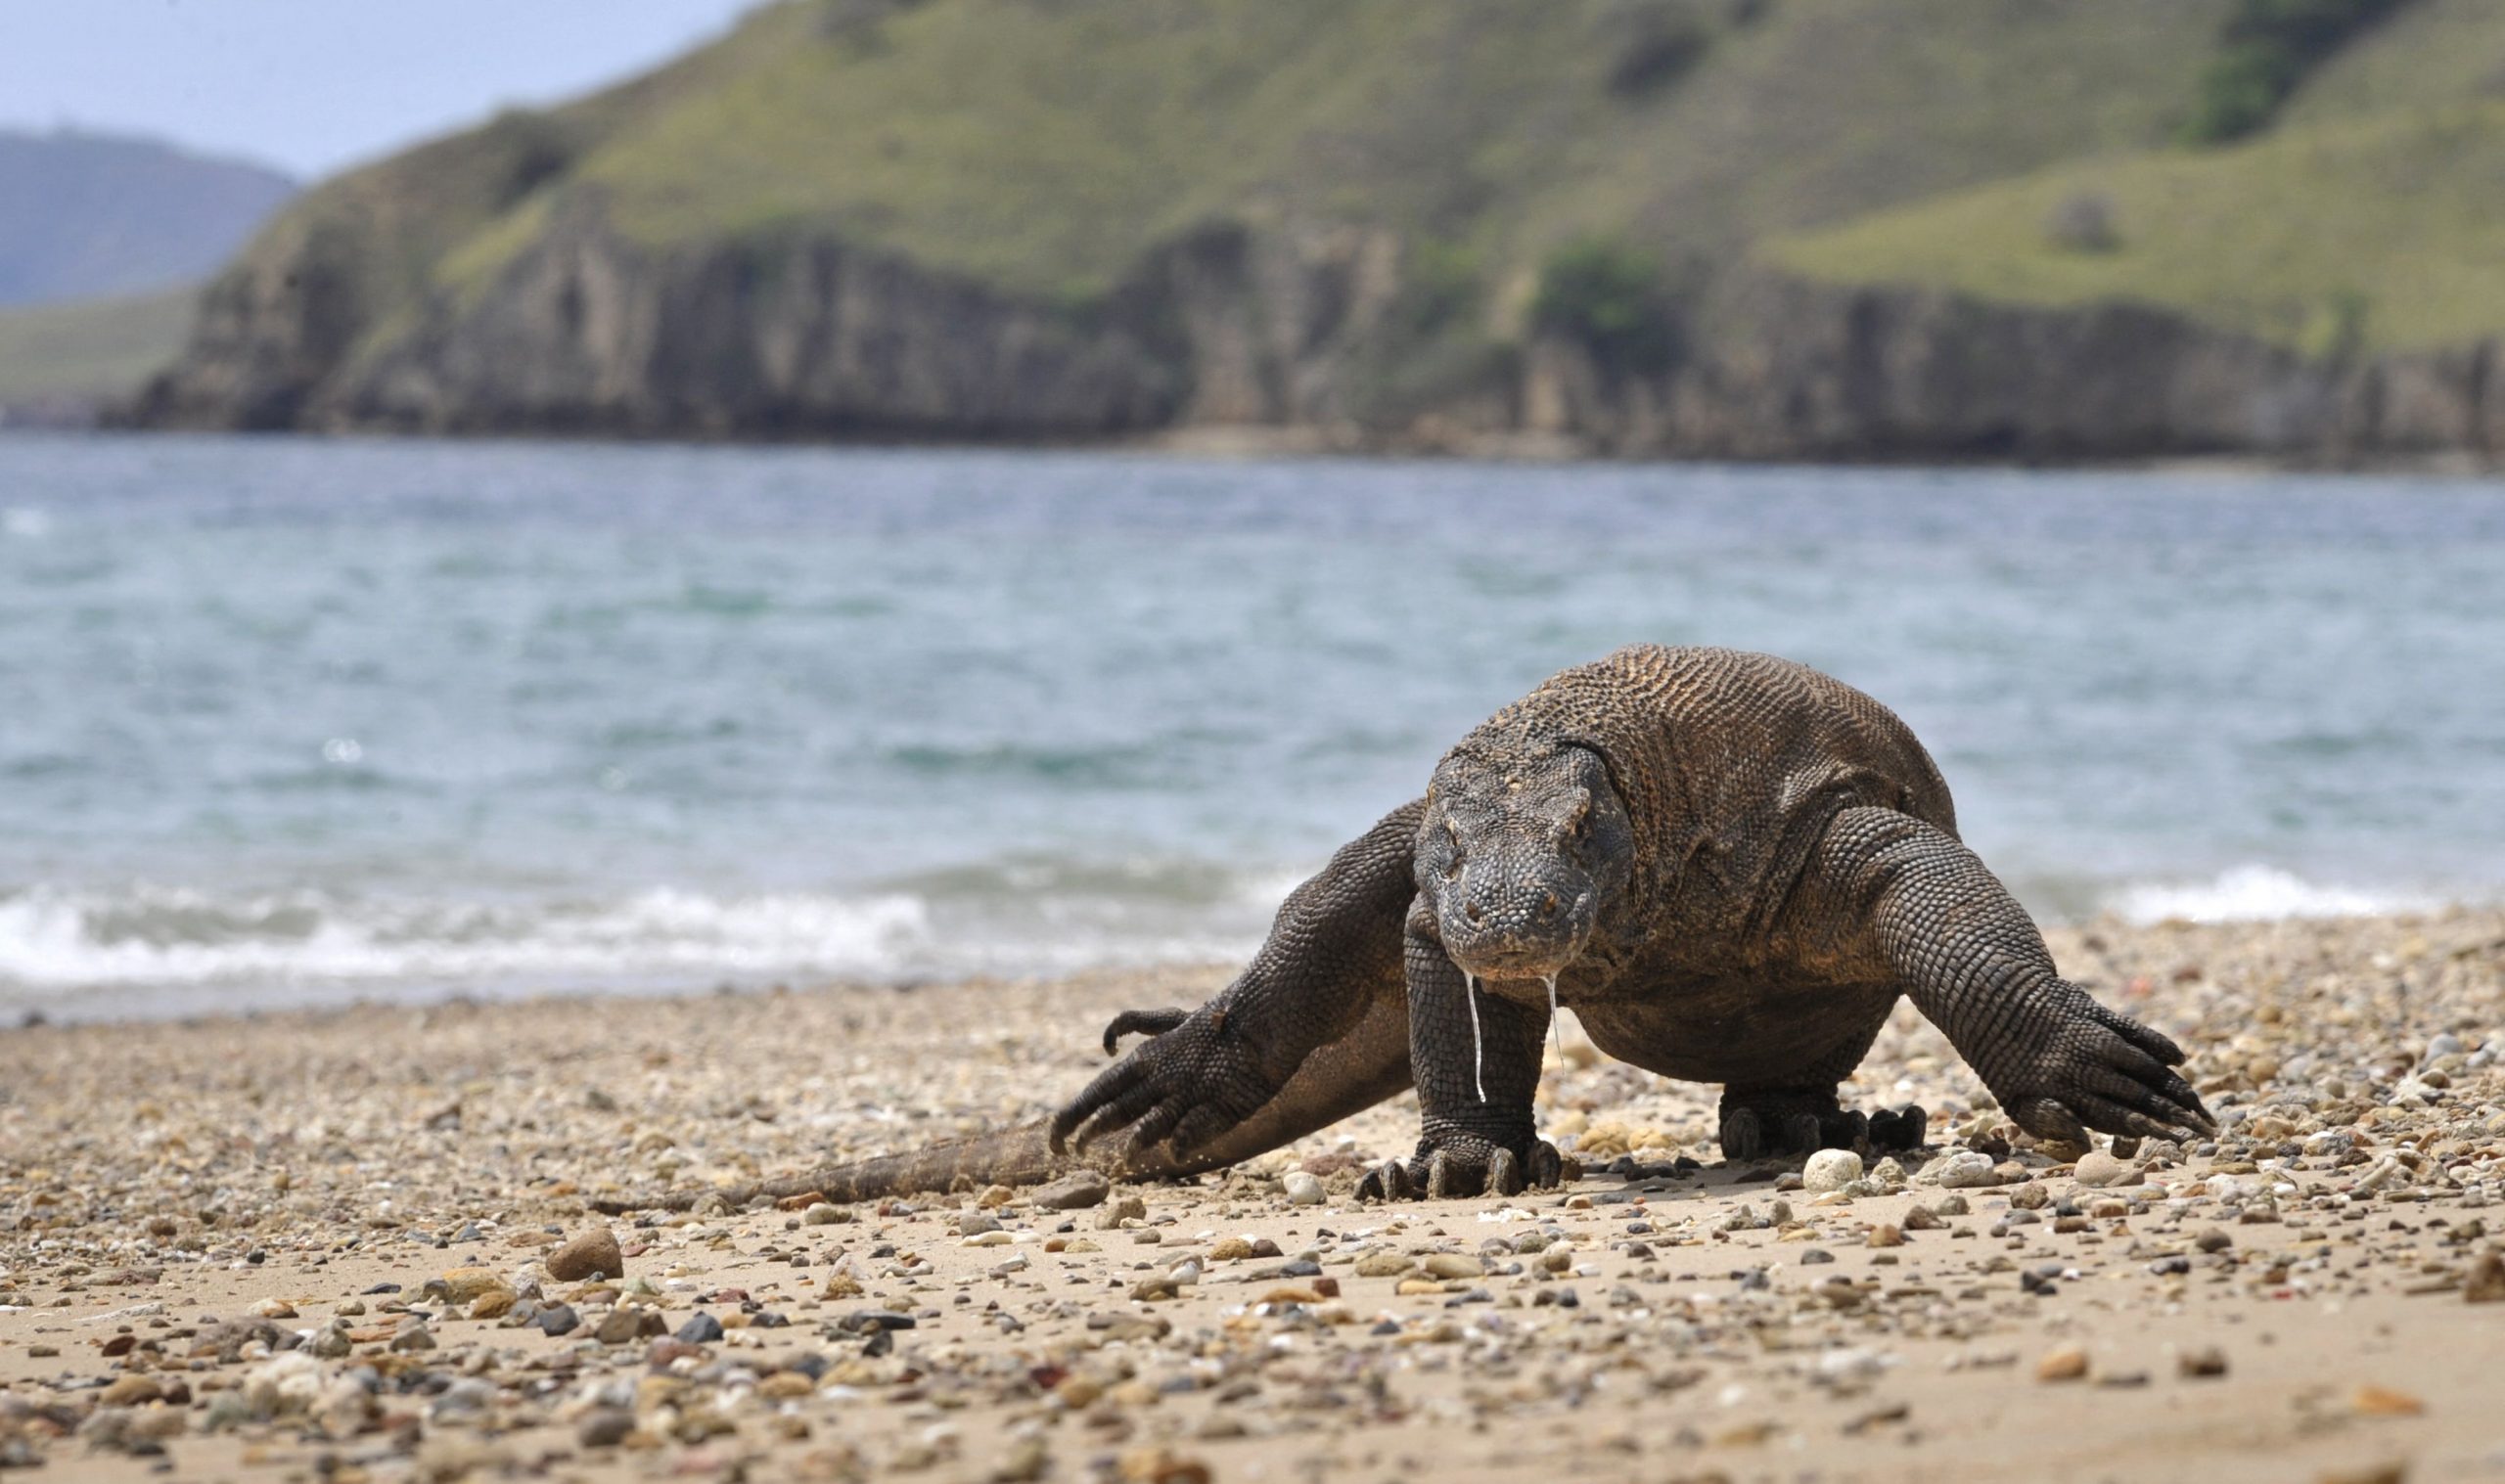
[[1302, 1189], [1076, 1191], [1964, 1170]]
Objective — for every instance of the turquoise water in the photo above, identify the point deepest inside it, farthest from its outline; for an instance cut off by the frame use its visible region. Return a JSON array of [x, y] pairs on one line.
[[288, 720]]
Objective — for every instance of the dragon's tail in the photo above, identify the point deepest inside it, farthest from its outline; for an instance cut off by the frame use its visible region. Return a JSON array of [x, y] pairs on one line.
[[1015, 1156]]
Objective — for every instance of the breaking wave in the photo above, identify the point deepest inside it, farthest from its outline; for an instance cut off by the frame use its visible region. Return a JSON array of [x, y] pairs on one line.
[[2256, 894], [173, 950]]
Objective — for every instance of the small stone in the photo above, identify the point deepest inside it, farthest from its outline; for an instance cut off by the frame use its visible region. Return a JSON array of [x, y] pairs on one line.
[[1128, 1209], [1302, 1189], [1885, 1236], [2383, 1402], [274, 1308], [995, 1238], [2067, 1363], [605, 1428], [556, 1320], [995, 1196], [1966, 1169], [1921, 1217], [975, 1223], [824, 1215], [2485, 1281], [2211, 1240], [2098, 1169], [495, 1303], [1383, 1263], [1455, 1264], [130, 1391], [593, 1254], [1077, 1191], [1830, 1170], [414, 1338], [702, 1330], [1230, 1249], [2201, 1361]]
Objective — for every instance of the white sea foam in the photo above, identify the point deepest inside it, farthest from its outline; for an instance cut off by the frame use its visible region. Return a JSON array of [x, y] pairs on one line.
[[2256, 893], [164, 936], [156, 949]]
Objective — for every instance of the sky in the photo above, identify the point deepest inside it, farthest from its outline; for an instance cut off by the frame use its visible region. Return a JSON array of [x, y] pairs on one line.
[[312, 85]]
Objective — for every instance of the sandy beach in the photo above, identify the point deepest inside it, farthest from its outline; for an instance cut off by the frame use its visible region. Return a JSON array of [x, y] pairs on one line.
[[318, 1246]]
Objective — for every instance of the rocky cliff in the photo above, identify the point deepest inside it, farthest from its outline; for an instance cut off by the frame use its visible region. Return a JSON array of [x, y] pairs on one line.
[[1291, 333]]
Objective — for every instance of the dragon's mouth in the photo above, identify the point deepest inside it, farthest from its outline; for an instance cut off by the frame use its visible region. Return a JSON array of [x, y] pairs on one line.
[[1515, 960]]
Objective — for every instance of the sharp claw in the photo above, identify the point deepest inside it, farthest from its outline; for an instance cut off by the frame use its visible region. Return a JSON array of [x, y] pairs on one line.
[[1504, 1174], [1743, 1136], [1802, 1134], [1442, 1179], [1547, 1167]]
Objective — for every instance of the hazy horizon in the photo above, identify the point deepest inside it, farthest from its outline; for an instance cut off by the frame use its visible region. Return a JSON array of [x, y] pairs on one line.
[[310, 87]]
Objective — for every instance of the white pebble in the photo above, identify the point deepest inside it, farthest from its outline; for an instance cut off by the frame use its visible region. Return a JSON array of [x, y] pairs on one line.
[[1302, 1189], [1830, 1170]]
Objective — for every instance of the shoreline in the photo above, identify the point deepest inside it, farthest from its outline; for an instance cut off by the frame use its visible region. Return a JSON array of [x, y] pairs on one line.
[[177, 1193]]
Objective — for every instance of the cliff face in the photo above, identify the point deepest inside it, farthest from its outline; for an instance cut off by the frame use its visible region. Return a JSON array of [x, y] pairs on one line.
[[803, 336]]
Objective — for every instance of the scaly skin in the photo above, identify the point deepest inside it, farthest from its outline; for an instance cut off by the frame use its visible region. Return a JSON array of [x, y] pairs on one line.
[[1730, 867]]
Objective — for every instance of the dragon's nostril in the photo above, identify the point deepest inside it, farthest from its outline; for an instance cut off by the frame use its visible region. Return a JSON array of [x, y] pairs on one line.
[[1473, 911]]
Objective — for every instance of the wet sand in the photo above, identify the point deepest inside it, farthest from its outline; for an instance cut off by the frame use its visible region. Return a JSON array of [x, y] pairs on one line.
[[220, 1239]]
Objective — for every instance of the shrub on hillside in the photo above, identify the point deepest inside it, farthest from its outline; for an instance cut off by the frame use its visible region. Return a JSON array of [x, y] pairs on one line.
[[1611, 298], [2269, 46]]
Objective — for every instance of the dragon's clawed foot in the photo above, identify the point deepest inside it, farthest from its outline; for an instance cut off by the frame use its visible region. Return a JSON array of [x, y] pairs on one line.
[[1765, 1126], [1463, 1167]]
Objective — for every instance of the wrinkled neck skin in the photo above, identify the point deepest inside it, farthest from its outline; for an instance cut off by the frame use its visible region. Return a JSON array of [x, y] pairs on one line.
[[1523, 848]]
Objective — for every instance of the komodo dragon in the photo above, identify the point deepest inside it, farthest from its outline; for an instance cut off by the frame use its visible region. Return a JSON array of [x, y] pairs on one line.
[[1728, 865]]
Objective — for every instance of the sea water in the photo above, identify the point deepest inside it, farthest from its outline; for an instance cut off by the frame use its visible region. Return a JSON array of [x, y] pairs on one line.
[[292, 720]]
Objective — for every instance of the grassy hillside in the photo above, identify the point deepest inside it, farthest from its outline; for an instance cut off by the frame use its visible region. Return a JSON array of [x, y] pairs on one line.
[[2379, 233], [90, 349], [1044, 145]]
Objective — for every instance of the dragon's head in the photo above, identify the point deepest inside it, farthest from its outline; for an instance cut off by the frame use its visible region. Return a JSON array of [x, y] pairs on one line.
[[1522, 844]]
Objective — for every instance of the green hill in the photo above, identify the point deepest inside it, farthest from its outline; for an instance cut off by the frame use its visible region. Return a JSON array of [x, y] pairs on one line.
[[1405, 221]]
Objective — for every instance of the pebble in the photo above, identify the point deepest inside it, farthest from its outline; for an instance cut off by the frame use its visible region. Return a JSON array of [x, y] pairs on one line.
[[2201, 1361], [1830, 1170], [1384, 1264], [1079, 1190], [2066, 1363], [556, 1320], [1453, 1265], [2097, 1169], [1128, 1209], [592, 1254], [702, 1330], [1302, 1189], [1966, 1169], [605, 1428]]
